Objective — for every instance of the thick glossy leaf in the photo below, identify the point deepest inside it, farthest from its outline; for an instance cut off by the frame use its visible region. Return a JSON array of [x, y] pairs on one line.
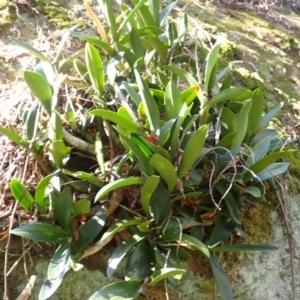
[[142, 153], [120, 120], [95, 41], [166, 169], [144, 13], [160, 204], [139, 6], [259, 151], [272, 170], [31, 120], [227, 140], [89, 231], [59, 262], [162, 274], [233, 94], [85, 176], [165, 13], [255, 113], [95, 68], [41, 232], [146, 193], [210, 68], [183, 74], [13, 136], [221, 279], [55, 130], [120, 252], [242, 124], [125, 52], [149, 104], [264, 163], [231, 203], [41, 190], [40, 88], [122, 290], [270, 114], [57, 152], [140, 261], [222, 230], [81, 207], [106, 6], [136, 44], [263, 133], [243, 248], [185, 240], [21, 194], [172, 102], [160, 46], [192, 150], [228, 122], [29, 48], [49, 288], [62, 205], [123, 182], [189, 94], [176, 224]]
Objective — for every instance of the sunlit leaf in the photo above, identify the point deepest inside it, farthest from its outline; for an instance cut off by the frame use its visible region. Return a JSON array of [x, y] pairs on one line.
[[21, 194], [16, 138], [272, 170], [57, 152], [270, 114], [41, 232], [147, 190], [242, 248], [165, 13], [162, 274], [85, 176]]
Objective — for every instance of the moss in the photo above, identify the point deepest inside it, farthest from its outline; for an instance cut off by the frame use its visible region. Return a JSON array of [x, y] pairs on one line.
[[229, 52], [57, 15], [7, 15]]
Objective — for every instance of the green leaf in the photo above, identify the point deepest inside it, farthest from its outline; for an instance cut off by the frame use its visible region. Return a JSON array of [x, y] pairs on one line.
[[183, 74], [144, 13], [210, 68], [163, 16], [123, 182], [140, 261], [192, 150], [120, 252], [272, 170], [222, 230], [13, 136], [40, 88], [62, 205], [160, 46], [57, 152], [243, 248], [162, 274], [166, 169], [228, 122], [188, 95], [185, 240], [173, 102], [270, 114], [143, 154], [41, 190], [41, 232], [95, 68], [259, 151], [126, 124], [227, 140], [59, 262], [139, 7], [21, 194], [231, 203], [255, 113], [29, 48], [221, 279], [264, 163], [160, 204], [80, 207], [136, 44], [149, 104], [122, 290], [95, 41], [147, 190], [85, 176], [232, 94], [242, 124], [89, 231], [107, 8], [31, 120], [55, 130]]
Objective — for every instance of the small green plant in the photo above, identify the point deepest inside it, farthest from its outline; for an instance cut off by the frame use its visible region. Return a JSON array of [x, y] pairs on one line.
[[191, 144]]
